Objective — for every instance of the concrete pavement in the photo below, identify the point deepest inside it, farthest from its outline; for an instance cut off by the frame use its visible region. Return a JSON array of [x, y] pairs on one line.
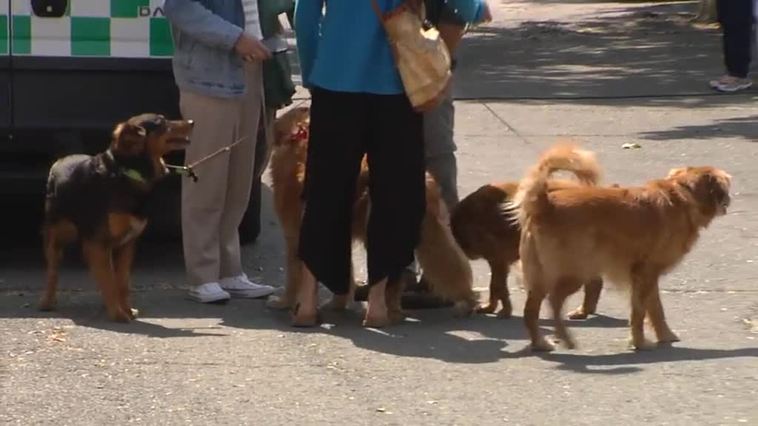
[[184, 363]]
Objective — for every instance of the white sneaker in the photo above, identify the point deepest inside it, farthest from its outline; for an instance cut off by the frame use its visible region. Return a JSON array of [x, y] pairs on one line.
[[208, 293], [241, 286], [731, 84]]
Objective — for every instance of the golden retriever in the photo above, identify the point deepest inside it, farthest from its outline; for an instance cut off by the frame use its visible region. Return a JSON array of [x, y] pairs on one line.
[[445, 266], [629, 235], [484, 232]]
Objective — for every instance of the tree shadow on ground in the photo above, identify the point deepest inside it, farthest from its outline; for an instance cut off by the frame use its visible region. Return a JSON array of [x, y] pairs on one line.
[[740, 127], [639, 52]]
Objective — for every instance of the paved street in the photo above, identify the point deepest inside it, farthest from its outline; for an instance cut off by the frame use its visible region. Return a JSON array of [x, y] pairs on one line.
[[602, 74]]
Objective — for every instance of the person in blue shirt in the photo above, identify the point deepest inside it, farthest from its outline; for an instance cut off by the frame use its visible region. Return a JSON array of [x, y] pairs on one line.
[[451, 18], [358, 107]]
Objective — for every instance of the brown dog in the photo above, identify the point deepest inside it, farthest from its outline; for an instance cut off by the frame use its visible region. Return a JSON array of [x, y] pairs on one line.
[[630, 235], [484, 232], [445, 265], [100, 200]]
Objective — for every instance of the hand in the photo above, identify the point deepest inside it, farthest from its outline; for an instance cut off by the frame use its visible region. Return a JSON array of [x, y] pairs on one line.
[[251, 49]]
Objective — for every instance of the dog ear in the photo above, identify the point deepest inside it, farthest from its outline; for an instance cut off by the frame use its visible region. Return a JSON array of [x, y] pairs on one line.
[[128, 139]]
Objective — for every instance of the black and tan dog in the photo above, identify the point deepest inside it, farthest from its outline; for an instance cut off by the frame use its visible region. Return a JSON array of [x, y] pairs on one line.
[[100, 200]]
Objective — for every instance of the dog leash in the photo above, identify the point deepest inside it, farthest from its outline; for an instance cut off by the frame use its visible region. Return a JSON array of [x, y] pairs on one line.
[[189, 169]]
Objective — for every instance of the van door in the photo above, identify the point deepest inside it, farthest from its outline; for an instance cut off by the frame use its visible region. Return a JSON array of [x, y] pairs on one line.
[[5, 70]]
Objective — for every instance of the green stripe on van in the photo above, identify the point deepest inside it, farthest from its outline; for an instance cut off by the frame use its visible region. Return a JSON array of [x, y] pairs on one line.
[[3, 34], [161, 42], [22, 35]]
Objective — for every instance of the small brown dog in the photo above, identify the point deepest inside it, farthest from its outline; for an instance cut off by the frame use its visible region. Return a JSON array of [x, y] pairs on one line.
[[631, 235], [445, 265], [484, 232], [100, 200]]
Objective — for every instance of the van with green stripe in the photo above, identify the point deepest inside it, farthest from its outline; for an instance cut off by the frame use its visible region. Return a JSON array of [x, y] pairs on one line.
[[71, 69]]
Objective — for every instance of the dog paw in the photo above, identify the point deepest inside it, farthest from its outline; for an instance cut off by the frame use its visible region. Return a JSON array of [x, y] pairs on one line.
[[463, 308], [119, 316], [569, 343], [337, 304], [505, 313], [46, 304], [376, 322], [578, 314], [278, 303], [133, 313], [542, 345], [486, 309], [642, 345], [668, 337], [396, 316]]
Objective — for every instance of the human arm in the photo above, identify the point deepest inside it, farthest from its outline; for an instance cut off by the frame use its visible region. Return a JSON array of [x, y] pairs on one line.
[[307, 26], [193, 18], [470, 11], [457, 14]]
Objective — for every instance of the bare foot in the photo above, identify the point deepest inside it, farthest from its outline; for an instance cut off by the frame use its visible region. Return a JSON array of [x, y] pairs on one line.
[[376, 312], [305, 312]]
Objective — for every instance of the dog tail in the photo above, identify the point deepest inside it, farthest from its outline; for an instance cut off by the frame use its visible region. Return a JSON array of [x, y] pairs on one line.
[[531, 197], [445, 266]]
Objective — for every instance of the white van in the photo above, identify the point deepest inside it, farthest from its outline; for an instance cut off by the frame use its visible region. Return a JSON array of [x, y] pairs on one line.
[[71, 69]]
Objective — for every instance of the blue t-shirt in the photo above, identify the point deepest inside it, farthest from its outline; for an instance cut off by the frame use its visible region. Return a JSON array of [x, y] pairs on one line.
[[344, 47]]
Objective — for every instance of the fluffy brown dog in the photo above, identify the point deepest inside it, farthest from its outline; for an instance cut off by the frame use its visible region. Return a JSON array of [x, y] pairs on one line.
[[100, 200], [445, 265], [630, 235], [484, 232]]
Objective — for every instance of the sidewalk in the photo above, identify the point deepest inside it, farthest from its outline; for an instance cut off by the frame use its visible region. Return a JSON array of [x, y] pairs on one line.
[[242, 364]]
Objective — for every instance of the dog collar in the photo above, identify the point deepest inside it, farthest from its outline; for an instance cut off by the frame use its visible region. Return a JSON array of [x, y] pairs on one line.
[[131, 174], [301, 134]]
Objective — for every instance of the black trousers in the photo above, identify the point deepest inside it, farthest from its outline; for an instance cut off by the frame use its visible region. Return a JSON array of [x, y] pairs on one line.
[[344, 127], [736, 18]]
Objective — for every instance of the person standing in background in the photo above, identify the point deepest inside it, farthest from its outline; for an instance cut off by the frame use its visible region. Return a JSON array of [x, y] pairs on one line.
[[217, 67], [736, 18]]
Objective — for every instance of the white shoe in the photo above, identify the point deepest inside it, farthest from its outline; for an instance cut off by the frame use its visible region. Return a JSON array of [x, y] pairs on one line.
[[241, 286], [208, 293], [731, 84]]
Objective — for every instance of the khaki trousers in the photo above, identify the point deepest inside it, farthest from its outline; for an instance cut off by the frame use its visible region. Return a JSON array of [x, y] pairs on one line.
[[213, 207]]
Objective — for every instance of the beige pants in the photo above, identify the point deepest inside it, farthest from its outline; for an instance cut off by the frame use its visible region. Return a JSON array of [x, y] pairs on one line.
[[213, 207]]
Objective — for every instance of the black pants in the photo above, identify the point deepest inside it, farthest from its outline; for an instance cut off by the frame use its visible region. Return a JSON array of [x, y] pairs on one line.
[[344, 127], [736, 18]]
